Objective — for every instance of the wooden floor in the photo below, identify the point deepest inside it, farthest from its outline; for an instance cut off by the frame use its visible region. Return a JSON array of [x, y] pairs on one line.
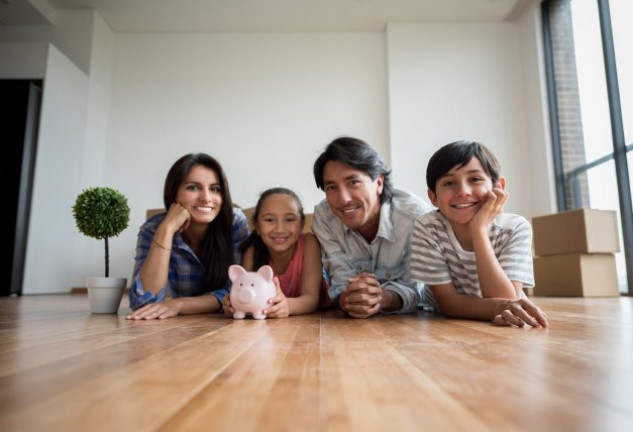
[[63, 369]]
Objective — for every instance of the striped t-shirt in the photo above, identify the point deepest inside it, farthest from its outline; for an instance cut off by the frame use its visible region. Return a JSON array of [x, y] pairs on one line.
[[438, 258]]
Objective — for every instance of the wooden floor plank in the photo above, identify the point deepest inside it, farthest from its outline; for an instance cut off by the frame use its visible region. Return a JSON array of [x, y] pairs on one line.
[[141, 394], [62, 368], [54, 374], [272, 386], [369, 385]]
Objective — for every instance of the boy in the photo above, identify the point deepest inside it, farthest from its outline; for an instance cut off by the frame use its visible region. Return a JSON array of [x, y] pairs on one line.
[[474, 259]]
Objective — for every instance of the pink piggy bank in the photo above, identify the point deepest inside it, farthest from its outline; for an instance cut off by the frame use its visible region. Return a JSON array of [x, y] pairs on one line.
[[251, 291]]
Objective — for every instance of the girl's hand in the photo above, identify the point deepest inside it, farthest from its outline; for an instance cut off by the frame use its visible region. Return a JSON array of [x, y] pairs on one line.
[[177, 218], [493, 207], [226, 306], [521, 312], [280, 307], [161, 310]]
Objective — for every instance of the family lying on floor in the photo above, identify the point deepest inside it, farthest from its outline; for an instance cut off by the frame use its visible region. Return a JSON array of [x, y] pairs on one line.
[[373, 248]]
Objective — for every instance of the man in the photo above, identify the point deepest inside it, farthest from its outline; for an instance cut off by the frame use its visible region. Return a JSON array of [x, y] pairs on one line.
[[364, 226]]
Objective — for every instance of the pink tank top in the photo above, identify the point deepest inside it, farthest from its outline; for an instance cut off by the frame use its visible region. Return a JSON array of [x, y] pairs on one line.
[[290, 281]]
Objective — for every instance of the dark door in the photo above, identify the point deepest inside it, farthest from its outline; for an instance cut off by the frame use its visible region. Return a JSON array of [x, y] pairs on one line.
[[19, 122]]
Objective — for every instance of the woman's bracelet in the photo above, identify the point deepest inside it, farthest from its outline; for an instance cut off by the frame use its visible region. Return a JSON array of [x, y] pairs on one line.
[[160, 245]]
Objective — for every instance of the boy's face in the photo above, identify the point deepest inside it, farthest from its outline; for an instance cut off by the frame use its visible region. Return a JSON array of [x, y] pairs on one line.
[[353, 196], [461, 192]]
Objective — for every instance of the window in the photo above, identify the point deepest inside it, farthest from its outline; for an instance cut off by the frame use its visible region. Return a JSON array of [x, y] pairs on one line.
[[592, 111]]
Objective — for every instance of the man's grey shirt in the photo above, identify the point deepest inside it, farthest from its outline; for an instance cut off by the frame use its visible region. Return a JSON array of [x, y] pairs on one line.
[[345, 253]]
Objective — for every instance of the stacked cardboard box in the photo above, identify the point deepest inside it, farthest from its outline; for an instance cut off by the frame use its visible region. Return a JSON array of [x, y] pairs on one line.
[[575, 253]]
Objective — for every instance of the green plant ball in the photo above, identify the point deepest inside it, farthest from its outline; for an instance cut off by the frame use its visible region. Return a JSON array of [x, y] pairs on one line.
[[101, 212]]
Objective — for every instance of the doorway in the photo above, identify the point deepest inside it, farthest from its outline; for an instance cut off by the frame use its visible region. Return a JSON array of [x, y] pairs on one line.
[[20, 108]]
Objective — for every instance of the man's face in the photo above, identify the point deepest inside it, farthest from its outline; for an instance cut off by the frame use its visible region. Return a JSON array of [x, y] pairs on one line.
[[353, 196]]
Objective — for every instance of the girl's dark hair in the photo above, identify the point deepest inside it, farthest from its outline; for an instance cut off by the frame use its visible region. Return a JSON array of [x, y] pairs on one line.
[[359, 155], [260, 251], [217, 252], [459, 153]]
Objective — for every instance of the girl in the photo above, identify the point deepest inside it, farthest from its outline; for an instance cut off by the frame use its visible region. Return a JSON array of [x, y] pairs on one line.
[[186, 251], [294, 256]]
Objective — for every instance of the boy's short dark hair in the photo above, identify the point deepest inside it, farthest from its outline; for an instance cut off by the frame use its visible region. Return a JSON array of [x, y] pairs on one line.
[[359, 155], [459, 153]]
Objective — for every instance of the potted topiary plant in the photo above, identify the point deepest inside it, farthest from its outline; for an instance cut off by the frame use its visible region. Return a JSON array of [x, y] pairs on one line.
[[102, 213]]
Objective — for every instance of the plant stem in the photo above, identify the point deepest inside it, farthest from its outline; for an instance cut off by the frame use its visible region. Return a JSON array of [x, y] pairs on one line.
[[107, 258]]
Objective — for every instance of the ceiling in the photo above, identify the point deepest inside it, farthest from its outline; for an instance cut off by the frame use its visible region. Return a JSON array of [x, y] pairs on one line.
[[261, 15]]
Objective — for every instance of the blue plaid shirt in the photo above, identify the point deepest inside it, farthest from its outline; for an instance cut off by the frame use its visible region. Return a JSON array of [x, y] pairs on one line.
[[185, 270]]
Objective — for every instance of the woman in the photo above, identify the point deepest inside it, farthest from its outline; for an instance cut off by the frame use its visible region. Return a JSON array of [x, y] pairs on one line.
[[185, 253]]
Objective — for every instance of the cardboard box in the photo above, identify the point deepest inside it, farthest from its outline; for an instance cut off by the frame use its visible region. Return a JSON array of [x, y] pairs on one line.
[[576, 231], [576, 275]]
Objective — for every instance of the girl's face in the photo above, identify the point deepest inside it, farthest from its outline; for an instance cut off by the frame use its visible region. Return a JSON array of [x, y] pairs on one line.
[[461, 192], [279, 223], [200, 193]]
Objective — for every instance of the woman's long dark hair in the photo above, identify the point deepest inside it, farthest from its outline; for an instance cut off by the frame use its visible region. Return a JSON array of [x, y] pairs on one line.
[[217, 252], [261, 256]]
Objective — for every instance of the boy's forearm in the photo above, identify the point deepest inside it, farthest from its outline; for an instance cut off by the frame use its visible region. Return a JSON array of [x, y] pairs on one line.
[[463, 306], [493, 281]]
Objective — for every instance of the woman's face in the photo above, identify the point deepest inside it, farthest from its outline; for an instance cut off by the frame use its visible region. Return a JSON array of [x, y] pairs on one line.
[[200, 193]]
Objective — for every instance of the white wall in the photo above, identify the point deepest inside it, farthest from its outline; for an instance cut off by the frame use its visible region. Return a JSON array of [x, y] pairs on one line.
[[52, 234], [70, 32], [538, 134], [458, 81], [264, 105], [88, 259], [23, 60], [98, 104], [71, 144]]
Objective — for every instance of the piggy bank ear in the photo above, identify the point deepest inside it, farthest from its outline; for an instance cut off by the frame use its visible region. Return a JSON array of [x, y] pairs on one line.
[[236, 271], [266, 272]]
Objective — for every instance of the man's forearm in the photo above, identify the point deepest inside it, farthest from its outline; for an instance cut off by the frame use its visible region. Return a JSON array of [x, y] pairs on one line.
[[409, 294], [391, 301]]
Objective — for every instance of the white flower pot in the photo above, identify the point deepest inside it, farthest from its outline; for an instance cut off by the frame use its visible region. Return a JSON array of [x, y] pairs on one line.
[[105, 294]]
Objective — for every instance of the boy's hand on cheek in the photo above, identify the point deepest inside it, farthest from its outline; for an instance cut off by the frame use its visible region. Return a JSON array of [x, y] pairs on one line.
[[491, 208]]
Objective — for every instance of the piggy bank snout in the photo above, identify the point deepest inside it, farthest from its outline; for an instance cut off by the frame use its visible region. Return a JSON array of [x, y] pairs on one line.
[[246, 294]]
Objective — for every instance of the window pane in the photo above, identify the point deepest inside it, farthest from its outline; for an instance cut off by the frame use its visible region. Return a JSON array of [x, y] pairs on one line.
[[603, 195], [592, 86], [621, 14]]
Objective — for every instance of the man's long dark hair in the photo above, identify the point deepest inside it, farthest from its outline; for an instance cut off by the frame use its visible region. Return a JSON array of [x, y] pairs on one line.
[[217, 251], [261, 256], [359, 155]]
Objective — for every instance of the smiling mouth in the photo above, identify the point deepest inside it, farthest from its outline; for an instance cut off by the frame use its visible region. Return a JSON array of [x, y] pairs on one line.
[[348, 210], [463, 206], [204, 208]]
